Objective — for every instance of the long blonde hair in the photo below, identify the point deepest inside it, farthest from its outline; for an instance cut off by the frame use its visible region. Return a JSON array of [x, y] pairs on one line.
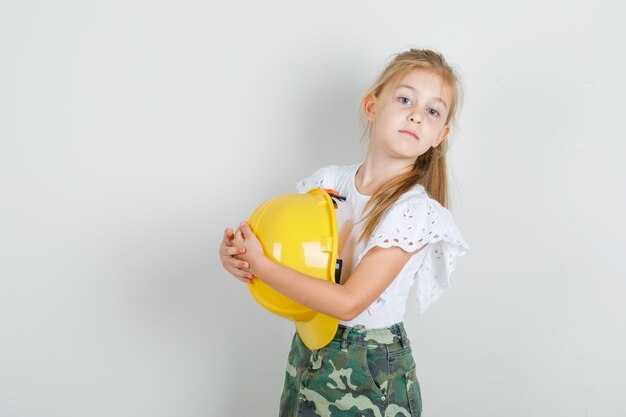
[[429, 168]]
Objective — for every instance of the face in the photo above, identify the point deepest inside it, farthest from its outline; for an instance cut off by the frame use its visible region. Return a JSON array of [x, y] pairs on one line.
[[413, 118]]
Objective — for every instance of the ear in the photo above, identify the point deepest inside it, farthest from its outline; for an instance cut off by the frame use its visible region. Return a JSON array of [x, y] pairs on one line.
[[442, 136], [369, 107]]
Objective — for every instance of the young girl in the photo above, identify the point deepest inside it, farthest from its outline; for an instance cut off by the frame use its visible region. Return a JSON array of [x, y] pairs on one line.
[[398, 232]]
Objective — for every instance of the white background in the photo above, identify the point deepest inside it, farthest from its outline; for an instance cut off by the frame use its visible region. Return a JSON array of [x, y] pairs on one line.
[[132, 133]]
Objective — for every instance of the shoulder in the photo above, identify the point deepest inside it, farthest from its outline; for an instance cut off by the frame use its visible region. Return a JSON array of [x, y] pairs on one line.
[[417, 220], [324, 177], [422, 219], [414, 220], [416, 208]]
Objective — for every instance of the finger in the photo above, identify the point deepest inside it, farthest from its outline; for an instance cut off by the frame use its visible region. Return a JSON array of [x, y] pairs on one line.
[[236, 263], [228, 236], [242, 276], [245, 229], [243, 279], [235, 250], [228, 251]]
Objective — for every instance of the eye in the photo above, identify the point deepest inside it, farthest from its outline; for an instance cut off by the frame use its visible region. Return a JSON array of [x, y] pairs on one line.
[[436, 112], [401, 98]]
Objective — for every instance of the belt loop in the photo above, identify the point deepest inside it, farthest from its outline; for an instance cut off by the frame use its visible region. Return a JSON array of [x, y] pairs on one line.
[[404, 339], [344, 339]]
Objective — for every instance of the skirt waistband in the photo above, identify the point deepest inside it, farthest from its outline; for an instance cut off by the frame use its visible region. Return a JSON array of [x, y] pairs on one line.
[[362, 336]]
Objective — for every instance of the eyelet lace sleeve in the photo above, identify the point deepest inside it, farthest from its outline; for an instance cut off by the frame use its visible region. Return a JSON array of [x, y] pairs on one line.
[[413, 222], [322, 178]]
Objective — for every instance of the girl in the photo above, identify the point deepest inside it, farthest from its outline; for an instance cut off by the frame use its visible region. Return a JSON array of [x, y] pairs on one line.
[[398, 232]]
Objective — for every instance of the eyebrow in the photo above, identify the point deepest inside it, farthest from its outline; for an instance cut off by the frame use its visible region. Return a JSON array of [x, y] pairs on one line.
[[436, 98]]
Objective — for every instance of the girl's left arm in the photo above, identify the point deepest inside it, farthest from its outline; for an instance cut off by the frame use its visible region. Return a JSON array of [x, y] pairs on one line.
[[373, 274]]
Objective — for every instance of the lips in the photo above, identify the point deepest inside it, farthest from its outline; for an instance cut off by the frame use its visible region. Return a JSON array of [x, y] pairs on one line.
[[409, 133]]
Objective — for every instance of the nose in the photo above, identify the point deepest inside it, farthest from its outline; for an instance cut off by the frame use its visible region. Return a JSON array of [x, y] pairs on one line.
[[415, 118]]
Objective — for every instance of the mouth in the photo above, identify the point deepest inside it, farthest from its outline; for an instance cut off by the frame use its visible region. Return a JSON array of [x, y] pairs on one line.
[[406, 132]]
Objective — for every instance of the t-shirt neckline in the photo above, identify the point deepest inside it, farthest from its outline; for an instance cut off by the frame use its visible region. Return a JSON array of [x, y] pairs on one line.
[[354, 182], [419, 187]]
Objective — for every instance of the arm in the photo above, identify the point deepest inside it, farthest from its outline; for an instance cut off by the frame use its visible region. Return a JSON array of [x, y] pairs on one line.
[[373, 274]]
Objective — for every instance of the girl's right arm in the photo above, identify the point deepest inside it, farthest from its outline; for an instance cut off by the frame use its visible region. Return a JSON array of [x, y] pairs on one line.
[[231, 264]]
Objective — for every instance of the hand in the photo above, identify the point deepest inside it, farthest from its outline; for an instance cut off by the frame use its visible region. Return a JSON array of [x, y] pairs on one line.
[[234, 266], [253, 255]]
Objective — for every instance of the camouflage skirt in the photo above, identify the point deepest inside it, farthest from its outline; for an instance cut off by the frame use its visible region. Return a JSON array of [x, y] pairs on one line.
[[362, 372]]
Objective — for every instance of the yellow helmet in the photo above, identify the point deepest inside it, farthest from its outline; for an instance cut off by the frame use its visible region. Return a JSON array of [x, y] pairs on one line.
[[299, 231]]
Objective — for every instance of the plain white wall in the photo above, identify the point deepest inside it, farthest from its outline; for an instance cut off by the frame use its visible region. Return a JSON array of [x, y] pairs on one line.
[[133, 133]]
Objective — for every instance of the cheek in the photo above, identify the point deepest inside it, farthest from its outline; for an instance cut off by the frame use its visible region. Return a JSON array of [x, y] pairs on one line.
[[390, 123], [435, 124]]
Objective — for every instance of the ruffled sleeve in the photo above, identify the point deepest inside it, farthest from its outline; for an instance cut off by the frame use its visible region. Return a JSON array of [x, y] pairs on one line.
[[322, 178], [413, 222]]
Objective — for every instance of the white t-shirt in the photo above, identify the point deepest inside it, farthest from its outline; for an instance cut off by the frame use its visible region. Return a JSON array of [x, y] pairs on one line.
[[413, 220]]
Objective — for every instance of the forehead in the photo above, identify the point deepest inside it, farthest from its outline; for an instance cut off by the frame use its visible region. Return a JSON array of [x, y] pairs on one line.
[[426, 84]]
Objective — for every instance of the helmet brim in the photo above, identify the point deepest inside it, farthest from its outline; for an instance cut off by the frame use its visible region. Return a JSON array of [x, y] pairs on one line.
[[317, 332]]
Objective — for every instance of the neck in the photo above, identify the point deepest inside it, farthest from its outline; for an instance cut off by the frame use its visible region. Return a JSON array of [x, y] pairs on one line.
[[378, 169]]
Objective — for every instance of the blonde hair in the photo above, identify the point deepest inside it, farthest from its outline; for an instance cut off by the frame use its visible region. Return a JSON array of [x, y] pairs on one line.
[[429, 168]]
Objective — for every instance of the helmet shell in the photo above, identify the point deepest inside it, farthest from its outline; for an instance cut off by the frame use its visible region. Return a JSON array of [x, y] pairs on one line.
[[298, 231]]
